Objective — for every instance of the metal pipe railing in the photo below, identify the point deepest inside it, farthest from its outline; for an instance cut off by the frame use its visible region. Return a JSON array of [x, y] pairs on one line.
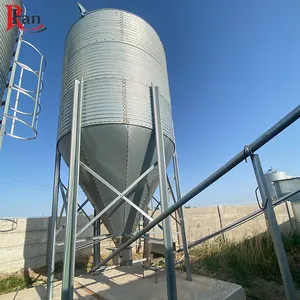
[[240, 221], [273, 229], [289, 119]]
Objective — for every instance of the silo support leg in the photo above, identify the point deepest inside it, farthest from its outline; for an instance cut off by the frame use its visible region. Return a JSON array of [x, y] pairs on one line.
[[71, 224], [163, 188], [181, 219], [52, 228], [96, 253], [274, 229]]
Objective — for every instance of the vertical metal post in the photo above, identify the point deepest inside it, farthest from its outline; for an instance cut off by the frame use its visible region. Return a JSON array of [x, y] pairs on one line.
[[152, 213], [290, 217], [96, 254], [181, 220], [274, 229], [175, 218], [9, 91], [52, 227], [146, 250], [71, 224], [220, 220], [163, 188]]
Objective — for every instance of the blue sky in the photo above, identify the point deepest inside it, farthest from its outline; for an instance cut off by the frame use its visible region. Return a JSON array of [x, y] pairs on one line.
[[234, 70]]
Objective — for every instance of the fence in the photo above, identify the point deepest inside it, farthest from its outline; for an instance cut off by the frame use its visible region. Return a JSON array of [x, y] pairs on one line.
[[23, 241]]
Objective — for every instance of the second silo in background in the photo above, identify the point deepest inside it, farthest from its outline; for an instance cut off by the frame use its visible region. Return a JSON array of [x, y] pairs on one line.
[[280, 184]]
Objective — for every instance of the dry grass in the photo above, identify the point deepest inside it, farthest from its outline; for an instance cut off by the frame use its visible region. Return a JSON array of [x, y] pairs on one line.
[[20, 280], [11, 283], [27, 278], [251, 263]]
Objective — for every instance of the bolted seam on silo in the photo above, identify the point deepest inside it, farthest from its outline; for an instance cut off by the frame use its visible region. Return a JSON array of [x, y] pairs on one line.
[[119, 56], [105, 34]]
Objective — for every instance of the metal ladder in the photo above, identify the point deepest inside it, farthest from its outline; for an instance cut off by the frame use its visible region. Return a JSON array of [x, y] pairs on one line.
[[16, 95]]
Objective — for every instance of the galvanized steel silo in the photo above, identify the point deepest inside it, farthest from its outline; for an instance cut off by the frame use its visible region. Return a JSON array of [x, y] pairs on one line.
[[118, 55], [7, 43], [271, 176], [286, 186]]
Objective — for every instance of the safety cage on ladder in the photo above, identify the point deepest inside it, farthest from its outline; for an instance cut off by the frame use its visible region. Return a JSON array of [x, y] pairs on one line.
[[23, 96]]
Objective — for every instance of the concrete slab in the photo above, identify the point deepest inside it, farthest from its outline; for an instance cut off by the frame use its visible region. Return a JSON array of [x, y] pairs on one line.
[[40, 292], [128, 283]]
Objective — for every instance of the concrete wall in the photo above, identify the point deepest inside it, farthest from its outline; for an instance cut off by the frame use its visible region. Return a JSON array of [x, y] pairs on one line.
[[202, 221], [23, 242]]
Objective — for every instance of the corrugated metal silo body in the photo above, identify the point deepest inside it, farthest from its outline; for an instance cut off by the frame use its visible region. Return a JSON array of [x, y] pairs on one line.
[[7, 43], [287, 186], [271, 176], [118, 55]]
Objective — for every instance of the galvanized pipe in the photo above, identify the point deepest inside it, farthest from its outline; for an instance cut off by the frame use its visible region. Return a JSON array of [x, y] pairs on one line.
[[118, 198], [158, 204], [156, 207], [96, 248], [63, 208], [163, 189], [176, 217], [245, 219], [93, 242], [71, 224], [181, 218], [122, 195], [118, 266], [64, 197], [52, 228], [80, 208], [88, 239], [289, 119], [273, 229]]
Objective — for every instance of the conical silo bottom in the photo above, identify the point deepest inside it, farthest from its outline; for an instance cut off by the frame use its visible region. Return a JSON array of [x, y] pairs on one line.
[[119, 154]]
